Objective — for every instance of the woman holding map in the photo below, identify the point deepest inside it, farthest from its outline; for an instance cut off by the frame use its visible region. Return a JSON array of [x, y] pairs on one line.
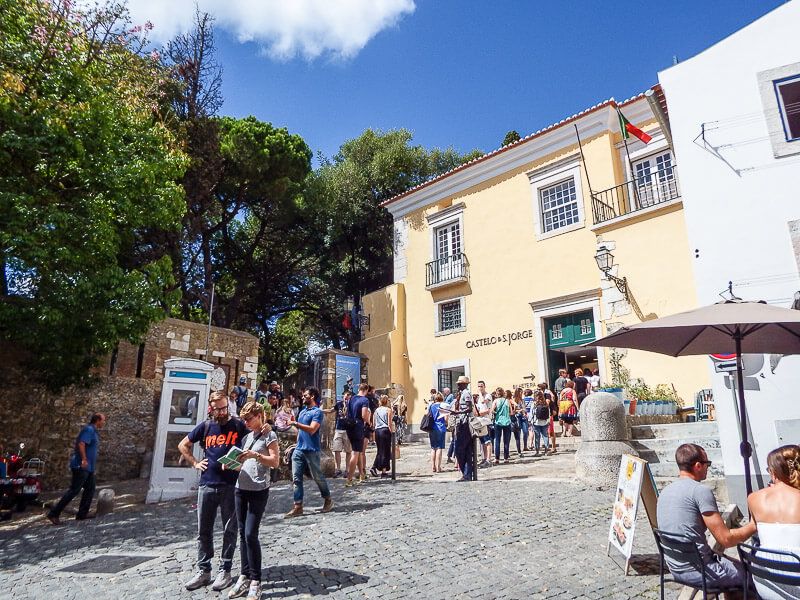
[[259, 453]]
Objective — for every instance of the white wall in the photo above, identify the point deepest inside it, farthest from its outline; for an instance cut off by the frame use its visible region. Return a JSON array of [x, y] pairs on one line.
[[738, 200]]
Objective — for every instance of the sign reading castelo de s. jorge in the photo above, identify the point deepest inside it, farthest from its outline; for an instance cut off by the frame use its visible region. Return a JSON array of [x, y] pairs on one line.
[[504, 338]]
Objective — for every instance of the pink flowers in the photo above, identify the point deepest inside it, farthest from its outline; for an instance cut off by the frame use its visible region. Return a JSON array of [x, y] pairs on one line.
[[154, 55]]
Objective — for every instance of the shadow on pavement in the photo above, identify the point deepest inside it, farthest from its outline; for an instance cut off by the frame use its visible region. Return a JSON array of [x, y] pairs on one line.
[[284, 581], [645, 564]]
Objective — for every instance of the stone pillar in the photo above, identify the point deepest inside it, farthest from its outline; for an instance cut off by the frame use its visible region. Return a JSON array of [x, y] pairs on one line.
[[604, 439]]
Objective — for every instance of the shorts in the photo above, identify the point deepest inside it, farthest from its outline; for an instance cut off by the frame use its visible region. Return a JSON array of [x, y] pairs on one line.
[[340, 442], [437, 439], [487, 439], [356, 437], [568, 419]]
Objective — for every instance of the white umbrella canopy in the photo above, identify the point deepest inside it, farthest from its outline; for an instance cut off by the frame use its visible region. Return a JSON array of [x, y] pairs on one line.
[[729, 327]]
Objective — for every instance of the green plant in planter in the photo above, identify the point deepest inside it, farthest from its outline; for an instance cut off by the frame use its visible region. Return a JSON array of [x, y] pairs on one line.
[[640, 390], [667, 392]]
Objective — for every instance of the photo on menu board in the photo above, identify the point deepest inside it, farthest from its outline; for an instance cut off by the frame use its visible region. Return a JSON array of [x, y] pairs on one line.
[[626, 504]]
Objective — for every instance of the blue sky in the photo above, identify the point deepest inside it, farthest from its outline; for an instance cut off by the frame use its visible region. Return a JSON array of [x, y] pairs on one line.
[[462, 73]]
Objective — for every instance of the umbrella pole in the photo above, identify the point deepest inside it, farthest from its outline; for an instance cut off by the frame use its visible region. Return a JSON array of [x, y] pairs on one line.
[[745, 448]]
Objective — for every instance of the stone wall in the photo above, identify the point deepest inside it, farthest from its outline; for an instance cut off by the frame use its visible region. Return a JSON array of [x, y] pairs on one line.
[[127, 389], [47, 424]]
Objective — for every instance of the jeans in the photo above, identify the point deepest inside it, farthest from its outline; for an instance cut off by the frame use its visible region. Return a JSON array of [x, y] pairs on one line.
[[523, 430], [209, 499], [503, 431], [452, 447], [80, 479], [250, 507], [540, 432], [301, 458]]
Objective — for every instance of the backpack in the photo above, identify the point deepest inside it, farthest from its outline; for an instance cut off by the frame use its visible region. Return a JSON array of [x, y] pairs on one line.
[[241, 396], [345, 420], [542, 413]]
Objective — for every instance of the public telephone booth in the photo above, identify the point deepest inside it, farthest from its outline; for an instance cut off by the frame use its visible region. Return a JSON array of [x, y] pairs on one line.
[[184, 400]]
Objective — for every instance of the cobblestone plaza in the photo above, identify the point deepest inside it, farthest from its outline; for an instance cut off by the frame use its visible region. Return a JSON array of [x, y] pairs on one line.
[[525, 530]]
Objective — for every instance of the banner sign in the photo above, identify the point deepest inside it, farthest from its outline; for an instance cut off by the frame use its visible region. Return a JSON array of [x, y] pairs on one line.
[[348, 374]]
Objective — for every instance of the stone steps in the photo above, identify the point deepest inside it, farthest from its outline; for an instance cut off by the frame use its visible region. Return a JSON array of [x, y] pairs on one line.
[[657, 444]]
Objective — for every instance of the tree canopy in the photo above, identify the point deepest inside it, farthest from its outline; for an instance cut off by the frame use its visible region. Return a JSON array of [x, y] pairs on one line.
[[87, 170]]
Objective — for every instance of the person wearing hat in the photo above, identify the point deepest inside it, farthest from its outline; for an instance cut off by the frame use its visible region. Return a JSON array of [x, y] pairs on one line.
[[464, 407]]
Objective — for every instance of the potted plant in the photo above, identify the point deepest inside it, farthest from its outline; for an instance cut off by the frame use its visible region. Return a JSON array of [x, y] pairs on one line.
[[639, 390], [669, 396]]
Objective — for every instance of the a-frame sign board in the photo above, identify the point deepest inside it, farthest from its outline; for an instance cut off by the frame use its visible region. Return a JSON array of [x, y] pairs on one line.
[[634, 484]]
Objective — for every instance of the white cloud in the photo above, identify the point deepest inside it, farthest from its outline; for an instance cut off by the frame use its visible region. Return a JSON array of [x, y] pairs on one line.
[[284, 28]]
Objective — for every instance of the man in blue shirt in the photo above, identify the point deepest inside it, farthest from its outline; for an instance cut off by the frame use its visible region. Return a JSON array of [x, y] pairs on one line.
[[358, 411], [81, 464], [306, 453]]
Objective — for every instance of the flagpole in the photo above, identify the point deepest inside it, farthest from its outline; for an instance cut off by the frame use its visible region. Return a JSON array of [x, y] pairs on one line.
[[628, 154], [583, 159]]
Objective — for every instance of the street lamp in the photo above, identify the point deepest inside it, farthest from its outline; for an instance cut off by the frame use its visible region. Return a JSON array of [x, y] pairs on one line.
[[605, 261]]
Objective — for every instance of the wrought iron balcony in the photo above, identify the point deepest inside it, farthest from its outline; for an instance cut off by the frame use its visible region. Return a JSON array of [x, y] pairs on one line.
[[653, 189], [446, 270]]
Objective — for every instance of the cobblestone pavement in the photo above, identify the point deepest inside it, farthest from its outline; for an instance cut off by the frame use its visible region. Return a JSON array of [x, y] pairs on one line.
[[514, 534]]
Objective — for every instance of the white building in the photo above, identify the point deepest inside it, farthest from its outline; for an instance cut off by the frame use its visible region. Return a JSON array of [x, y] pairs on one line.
[[734, 112]]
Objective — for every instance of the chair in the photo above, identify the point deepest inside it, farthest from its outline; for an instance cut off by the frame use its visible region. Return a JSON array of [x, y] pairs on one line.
[[769, 568], [682, 549], [703, 403]]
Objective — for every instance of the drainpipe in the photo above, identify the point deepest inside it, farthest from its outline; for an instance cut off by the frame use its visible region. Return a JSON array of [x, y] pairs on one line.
[[661, 117]]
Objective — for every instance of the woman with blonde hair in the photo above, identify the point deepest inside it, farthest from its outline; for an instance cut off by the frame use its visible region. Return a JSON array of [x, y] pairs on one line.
[[259, 453], [776, 511], [501, 412]]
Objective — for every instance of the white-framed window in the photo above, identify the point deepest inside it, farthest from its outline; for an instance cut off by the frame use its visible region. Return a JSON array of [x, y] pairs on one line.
[[448, 240], [450, 317], [558, 199], [586, 326], [557, 332], [654, 179], [787, 91], [559, 205]]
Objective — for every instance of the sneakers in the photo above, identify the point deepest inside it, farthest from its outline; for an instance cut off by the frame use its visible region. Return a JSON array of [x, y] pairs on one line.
[[449, 461], [222, 581], [201, 579], [338, 473], [254, 593], [327, 506], [240, 588], [374, 472], [297, 511]]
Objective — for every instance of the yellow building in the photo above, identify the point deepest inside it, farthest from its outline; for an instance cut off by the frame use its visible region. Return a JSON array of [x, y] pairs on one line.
[[495, 268]]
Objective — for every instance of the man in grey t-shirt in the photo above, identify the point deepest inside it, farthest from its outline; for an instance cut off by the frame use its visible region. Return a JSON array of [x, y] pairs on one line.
[[686, 507]]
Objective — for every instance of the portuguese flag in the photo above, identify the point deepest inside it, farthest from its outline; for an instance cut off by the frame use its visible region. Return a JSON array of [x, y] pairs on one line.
[[626, 127]]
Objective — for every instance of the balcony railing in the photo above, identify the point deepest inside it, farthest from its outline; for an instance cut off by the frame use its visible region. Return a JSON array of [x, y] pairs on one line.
[[448, 269], [643, 192]]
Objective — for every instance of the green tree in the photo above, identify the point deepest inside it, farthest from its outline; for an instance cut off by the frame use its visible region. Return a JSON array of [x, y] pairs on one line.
[[511, 137], [355, 231], [87, 171]]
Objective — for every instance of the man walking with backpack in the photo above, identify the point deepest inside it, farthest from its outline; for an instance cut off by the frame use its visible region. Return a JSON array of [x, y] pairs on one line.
[[241, 393], [541, 422], [217, 435]]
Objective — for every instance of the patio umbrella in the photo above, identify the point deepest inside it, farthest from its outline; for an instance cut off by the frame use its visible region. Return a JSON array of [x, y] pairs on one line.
[[729, 327]]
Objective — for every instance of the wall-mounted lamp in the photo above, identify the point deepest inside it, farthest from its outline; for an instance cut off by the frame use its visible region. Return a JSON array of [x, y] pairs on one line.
[[359, 320], [605, 261]]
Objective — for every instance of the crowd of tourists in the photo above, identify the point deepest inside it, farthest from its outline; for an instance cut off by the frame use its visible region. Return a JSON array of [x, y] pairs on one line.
[[528, 416]]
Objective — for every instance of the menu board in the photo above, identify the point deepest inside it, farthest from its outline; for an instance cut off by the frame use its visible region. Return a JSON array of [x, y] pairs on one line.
[[626, 504]]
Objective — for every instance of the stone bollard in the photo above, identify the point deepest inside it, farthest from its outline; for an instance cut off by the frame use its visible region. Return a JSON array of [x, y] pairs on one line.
[[105, 502], [604, 439]]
